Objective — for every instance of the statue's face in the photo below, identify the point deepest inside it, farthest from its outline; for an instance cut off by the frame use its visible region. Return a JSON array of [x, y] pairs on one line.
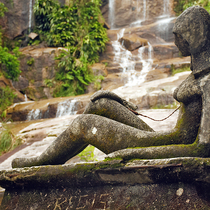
[[182, 45]]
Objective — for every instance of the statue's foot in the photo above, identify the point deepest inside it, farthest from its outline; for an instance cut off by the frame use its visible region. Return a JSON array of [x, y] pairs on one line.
[[24, 162]]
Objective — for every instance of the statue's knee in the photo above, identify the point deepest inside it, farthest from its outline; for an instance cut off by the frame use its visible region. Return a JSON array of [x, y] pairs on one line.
[[97, 106], [80, 125]]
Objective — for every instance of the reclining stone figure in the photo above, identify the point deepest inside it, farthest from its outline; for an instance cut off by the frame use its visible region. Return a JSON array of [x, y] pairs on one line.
[[109, 125]]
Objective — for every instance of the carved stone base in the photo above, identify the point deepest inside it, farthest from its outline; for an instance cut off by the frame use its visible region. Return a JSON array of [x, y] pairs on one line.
[[178, 183]]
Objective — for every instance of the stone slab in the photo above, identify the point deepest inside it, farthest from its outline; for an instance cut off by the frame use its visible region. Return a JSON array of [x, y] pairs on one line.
[[176, 183]]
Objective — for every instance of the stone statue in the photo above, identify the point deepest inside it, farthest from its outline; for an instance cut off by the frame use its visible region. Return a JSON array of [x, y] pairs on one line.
[[109, 125]]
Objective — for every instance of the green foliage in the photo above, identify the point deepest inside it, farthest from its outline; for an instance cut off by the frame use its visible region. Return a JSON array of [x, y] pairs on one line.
[[43, 10], [63, 27], [179, 70], [30, 62], [74, 74], [5, 142], [97, 82], [6, 99], [87, 154], [77, 27], [3, 9], [9, 63], [8, 141], [181, 5]]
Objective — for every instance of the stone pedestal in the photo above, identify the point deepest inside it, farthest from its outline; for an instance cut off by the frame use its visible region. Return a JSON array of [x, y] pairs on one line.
[[178, 183]]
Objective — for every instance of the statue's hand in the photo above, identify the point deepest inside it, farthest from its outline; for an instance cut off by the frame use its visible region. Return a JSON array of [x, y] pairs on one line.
[[108, 94]]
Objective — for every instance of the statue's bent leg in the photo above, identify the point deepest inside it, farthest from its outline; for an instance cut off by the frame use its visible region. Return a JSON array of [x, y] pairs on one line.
[[114, 110], [106, 134]]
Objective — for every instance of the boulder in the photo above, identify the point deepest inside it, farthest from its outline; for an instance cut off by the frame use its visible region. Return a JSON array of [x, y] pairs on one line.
[[132, 42]]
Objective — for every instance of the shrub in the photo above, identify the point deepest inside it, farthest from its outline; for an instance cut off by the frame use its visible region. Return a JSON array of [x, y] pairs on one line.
[[77, 27], [6, 99], [181, 5], [9, 63]]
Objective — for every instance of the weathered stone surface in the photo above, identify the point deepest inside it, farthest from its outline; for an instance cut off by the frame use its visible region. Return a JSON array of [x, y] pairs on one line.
[[46, 108], [178, 183], [16, 20], [127, 12], [132, 42], [154, 93]]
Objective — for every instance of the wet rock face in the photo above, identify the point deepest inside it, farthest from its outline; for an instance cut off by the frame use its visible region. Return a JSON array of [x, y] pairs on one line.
[[36, 66], [132, 42], [128, 11], [16, 20]]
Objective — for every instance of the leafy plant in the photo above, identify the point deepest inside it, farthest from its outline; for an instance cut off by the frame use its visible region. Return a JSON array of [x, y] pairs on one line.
[[79, 28], [74, 75], [9, 63], [7, 140], [6, 99], [43, 11], [3, 9], [30, 62], [181, 5]]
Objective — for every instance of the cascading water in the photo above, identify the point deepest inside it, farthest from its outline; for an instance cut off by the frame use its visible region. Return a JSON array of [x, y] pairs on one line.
[[112, 13], [30, 15], [68, 107], [34, 114], [141, 14], [126, 60], [25, 97], [136, 78], [122, 56], [164, 21]]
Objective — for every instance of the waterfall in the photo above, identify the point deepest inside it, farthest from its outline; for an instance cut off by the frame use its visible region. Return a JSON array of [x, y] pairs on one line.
[[147, 61], [30, 14], [128, 62], [164, 21], [143, 14], [25, 98], [122, 56], [166, 8], [34, 114], [68, 107], [112, 13]]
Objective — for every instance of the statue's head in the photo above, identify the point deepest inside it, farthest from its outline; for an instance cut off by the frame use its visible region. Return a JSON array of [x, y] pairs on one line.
[[192, 33]]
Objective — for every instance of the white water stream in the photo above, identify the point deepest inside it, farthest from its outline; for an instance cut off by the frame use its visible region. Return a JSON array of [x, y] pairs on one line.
[[124, 57], [64, 108], [30, 15], [67, 107]]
